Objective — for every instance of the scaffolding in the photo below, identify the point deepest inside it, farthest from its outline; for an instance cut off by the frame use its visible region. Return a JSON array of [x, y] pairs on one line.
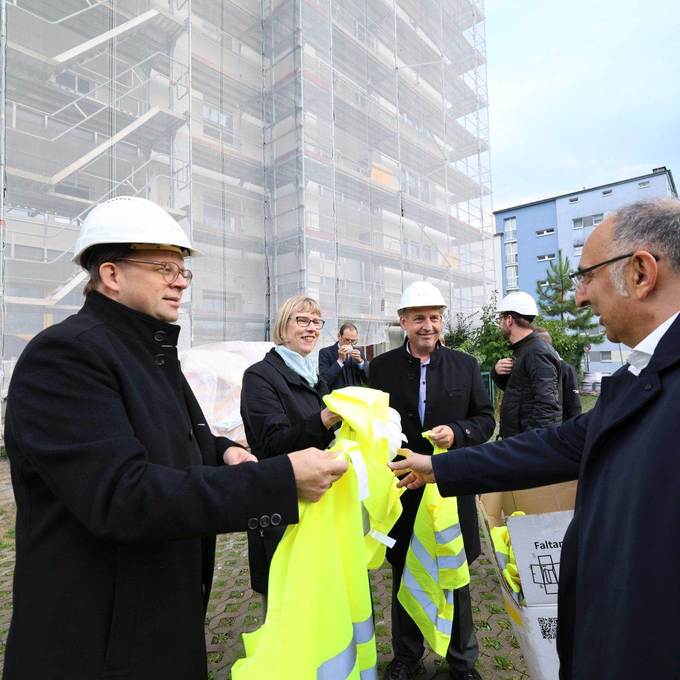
[[335, 147]]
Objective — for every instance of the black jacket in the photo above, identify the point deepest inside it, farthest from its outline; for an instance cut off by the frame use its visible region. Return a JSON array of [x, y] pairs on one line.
[[280, 414], [618, 592], [571, 401], [337, 376], [120, 490], [531, 392], [456, 397]]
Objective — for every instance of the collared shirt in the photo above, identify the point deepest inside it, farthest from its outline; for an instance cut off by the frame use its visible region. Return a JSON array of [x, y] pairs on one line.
[[422, 387], [642, 353]]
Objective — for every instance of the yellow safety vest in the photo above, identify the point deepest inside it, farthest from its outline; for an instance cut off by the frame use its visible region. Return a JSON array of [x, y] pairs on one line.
[[505, 556], [365, 420], [319, 623], [435, 566]]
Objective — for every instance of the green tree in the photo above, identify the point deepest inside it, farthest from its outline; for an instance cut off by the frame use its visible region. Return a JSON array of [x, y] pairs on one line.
[[459, 332], [485, 342], [555, 297]]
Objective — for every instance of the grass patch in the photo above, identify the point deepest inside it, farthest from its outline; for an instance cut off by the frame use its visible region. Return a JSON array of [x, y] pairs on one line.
[[502, 663]]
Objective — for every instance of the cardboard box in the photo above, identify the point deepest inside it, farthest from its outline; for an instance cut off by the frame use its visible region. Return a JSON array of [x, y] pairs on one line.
[[537, 541]]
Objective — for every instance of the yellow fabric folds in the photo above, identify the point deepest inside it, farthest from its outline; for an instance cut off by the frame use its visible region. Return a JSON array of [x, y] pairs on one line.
[[435, 566]]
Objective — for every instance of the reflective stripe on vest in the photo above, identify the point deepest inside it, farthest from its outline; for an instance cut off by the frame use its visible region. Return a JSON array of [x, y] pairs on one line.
[[341, 666], [435, 565]]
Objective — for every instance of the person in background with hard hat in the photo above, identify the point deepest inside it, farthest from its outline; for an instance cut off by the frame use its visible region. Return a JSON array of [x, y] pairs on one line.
[[282, 410], [341, 364], [530, 380], [120, 485], [441, 390], [569, 396]]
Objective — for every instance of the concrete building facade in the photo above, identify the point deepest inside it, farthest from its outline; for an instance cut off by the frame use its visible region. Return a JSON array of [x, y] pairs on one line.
[[531, 236], [334, 147]]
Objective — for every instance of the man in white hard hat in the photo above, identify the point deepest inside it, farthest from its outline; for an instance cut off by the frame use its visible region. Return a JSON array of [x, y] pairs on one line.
[[530, 380], [441, 390], [120, 485]]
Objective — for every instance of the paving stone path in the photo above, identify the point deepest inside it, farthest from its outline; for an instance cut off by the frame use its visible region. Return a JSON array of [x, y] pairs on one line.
[[234, 608]]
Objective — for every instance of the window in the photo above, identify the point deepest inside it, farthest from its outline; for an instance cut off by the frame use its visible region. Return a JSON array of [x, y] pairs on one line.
[[73, 81], [545, 258], [511, 253], [588, 221], [510, 228], [545, 232], [607, 192], [573, 199], [643, 185], [543, 284], [511, 277], [606, 355], [218, 124]]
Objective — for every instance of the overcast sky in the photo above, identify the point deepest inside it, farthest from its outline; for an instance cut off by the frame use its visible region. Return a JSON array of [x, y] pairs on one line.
[[581, 92]]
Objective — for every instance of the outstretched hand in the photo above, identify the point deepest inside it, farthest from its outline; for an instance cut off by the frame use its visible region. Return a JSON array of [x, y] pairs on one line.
[[415, 471]]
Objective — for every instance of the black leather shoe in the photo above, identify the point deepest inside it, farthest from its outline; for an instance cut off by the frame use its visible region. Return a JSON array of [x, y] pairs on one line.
[[398, 670]]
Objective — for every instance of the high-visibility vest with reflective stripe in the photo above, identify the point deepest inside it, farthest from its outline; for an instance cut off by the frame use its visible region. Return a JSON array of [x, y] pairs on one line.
[[505, 556], [365, 416], [319, 623], [435, 566]]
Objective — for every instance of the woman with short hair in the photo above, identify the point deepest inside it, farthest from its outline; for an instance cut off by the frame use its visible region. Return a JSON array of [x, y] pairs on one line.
[[283, 411]]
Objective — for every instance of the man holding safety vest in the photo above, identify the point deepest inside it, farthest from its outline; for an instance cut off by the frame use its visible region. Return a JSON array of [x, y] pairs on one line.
[[120, 485], [438, 390]]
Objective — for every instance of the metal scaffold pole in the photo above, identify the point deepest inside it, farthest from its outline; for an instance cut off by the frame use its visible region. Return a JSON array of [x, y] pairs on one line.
[[3, 188]]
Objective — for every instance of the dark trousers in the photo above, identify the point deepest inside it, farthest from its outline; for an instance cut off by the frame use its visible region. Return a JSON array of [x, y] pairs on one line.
[[407, 640]]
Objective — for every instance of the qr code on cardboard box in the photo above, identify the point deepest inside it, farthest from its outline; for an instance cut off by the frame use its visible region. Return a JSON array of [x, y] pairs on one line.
[[548, 627]]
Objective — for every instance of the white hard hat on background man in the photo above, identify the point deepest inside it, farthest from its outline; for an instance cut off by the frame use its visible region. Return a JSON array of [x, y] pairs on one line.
[[135, 221], [519, 302], [421, 294]]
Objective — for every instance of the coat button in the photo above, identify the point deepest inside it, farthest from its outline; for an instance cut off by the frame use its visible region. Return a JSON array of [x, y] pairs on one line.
[[265, 521], [253, 523], [159, 336], [648, 387], [159, 359], [467, 431], [276, 519]]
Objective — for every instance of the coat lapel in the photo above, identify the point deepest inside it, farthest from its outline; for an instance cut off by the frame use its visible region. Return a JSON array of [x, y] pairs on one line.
[[624, 394]]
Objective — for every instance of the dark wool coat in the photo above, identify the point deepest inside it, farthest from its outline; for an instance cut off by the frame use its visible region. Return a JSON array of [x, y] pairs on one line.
[[618, 589], [456, 397], [340, 376], [281, 414], [120, 490], [531, 393], [571, 401]]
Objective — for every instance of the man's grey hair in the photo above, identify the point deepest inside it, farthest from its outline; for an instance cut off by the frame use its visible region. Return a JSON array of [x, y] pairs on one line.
[[651, 225]]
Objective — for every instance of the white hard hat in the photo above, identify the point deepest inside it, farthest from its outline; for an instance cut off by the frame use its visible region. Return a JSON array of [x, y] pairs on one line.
[[133, 220], [518, 302], [421, 294]]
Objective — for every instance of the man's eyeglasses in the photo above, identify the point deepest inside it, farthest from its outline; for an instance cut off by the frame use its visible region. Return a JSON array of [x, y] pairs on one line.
[[582, 276], [305, 322], [170, 271]]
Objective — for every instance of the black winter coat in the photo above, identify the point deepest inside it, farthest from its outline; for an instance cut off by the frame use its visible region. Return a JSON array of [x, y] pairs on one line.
[[531, 392], [618, 583], [337, 376], [120, 490], [571, 401], [456, 397], [281, 414]]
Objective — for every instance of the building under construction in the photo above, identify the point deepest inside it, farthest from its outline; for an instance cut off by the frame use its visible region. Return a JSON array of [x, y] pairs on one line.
[[335, 147]]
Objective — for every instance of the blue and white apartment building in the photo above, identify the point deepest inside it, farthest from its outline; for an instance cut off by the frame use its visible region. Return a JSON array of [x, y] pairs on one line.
[[531, 235]]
